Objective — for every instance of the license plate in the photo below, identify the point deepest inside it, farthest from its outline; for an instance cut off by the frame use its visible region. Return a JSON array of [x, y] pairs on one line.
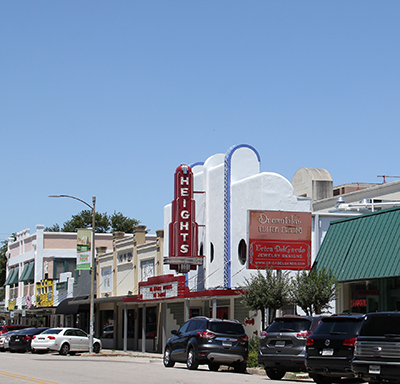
[[227, 344], [40, 338], [374, 369], [327, 352], [280, 343]]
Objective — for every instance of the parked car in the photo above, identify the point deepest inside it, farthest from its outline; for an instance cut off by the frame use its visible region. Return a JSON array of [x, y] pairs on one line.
[[3, 344], [330, 348], [202, 340], [13, 327], [283, 344], [21, 340], [64, 340], [377, 350]]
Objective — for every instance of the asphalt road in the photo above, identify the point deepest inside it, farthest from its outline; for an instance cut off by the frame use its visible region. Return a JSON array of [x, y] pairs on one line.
[[17, 368]]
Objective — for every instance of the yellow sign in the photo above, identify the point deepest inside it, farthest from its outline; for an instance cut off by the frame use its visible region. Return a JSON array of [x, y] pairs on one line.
[[11, 305], [45, 293]]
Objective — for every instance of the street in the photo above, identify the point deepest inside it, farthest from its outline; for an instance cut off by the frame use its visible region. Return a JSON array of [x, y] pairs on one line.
[[19, 368]]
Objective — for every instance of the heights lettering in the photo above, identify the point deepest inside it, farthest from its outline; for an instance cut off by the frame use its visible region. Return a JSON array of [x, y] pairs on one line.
[[183, 228]]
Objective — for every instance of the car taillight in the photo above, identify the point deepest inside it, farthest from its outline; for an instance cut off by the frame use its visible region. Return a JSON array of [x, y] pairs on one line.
[[350, 342], [309, 342], [51, 337], [263, 334], [26, 338], [244, 338], [34, 337], [304, 334], [206, 334]]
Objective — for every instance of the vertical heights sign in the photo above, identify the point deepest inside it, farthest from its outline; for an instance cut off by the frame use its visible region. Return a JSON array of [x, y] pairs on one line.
[[183, 229], [279, 240]]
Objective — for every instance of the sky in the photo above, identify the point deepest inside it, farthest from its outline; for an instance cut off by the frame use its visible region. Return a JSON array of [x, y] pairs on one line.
[[107, 98]]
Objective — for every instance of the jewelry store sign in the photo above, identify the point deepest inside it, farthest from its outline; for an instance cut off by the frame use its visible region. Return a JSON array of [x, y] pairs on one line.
[[279, 240]]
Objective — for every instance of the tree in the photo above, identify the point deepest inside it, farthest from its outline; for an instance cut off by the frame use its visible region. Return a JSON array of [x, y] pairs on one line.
[[312, 291], [267, 292], [84, 220], [104, 223], [121, 223], [3, 264]]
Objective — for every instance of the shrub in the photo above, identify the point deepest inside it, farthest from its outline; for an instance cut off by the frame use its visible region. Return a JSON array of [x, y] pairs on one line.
[[254, 345]]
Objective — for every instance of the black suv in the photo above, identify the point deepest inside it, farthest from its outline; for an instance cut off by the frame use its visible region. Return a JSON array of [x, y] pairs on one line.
[[283, 344], [330, 349], [377, 351], [208, 341]]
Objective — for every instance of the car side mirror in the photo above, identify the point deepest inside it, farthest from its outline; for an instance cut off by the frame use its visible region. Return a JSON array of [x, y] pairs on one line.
[[174, 332]]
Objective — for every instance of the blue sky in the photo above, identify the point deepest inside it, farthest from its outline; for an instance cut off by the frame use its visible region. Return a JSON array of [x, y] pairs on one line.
[[107, 98]]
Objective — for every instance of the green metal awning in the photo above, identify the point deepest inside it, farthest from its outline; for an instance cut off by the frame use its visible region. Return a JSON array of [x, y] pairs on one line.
[[362, 247], [12, 276], [27, 273]]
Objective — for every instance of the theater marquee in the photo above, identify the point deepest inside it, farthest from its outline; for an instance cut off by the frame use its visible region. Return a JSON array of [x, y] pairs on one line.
[[281, 240]]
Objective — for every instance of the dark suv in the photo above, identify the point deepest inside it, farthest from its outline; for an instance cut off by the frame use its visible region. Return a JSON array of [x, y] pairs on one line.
[[208, 341], [329, 350], [283, 344], [377, 351]]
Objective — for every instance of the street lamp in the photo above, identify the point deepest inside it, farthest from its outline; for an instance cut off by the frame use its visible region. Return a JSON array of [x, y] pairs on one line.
[[92, 271]]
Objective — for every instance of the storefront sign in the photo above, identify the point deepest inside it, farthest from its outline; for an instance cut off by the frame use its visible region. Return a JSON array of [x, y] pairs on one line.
[[281, 240], [11, 305], [183, 229], [356, 303], [162, 287], [83, 247], [44, 293]]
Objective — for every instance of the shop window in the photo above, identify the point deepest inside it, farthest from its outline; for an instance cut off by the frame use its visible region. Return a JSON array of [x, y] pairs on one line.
[[131, 324], [211, 252], [242, 252], [151, 322], [107, 324], [222, 313]]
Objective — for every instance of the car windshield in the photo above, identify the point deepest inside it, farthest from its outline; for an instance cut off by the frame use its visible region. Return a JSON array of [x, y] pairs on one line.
[[339, 327], [224, 327], [52, 332], [289, 325]]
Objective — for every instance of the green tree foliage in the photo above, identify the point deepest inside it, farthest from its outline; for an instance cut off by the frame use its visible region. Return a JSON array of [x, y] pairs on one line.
[[121, 223], [104, 223], [3, 265], [312, 291], [269, 291]]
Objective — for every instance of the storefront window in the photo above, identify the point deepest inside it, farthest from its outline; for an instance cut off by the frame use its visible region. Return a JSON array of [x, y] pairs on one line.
[[364, 297], [107, 324], [151, 322], [131, 324]]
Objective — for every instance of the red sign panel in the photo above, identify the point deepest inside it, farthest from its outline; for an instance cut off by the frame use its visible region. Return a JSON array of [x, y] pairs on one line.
[[183, 229], [281, 240]]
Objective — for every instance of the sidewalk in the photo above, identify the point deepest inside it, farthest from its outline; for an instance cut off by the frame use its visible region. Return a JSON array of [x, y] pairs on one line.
[[116, 352]]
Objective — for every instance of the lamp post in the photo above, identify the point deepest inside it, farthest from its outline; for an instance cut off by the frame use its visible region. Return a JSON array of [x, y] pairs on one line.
[[92, 270]]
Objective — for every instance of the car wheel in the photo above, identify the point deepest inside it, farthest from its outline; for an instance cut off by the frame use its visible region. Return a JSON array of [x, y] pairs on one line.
[[240, 367], [191, 361], [213, 367], [96, 348], [33, 351], [319, 379], [274, 374], [64, 349], [167, 358]]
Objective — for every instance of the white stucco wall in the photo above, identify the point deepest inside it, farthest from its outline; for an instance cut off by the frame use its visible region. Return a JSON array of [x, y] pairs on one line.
[[233, 185]]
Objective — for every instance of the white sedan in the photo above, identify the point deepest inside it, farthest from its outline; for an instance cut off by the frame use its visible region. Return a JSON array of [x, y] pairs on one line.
[[64, 340]]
